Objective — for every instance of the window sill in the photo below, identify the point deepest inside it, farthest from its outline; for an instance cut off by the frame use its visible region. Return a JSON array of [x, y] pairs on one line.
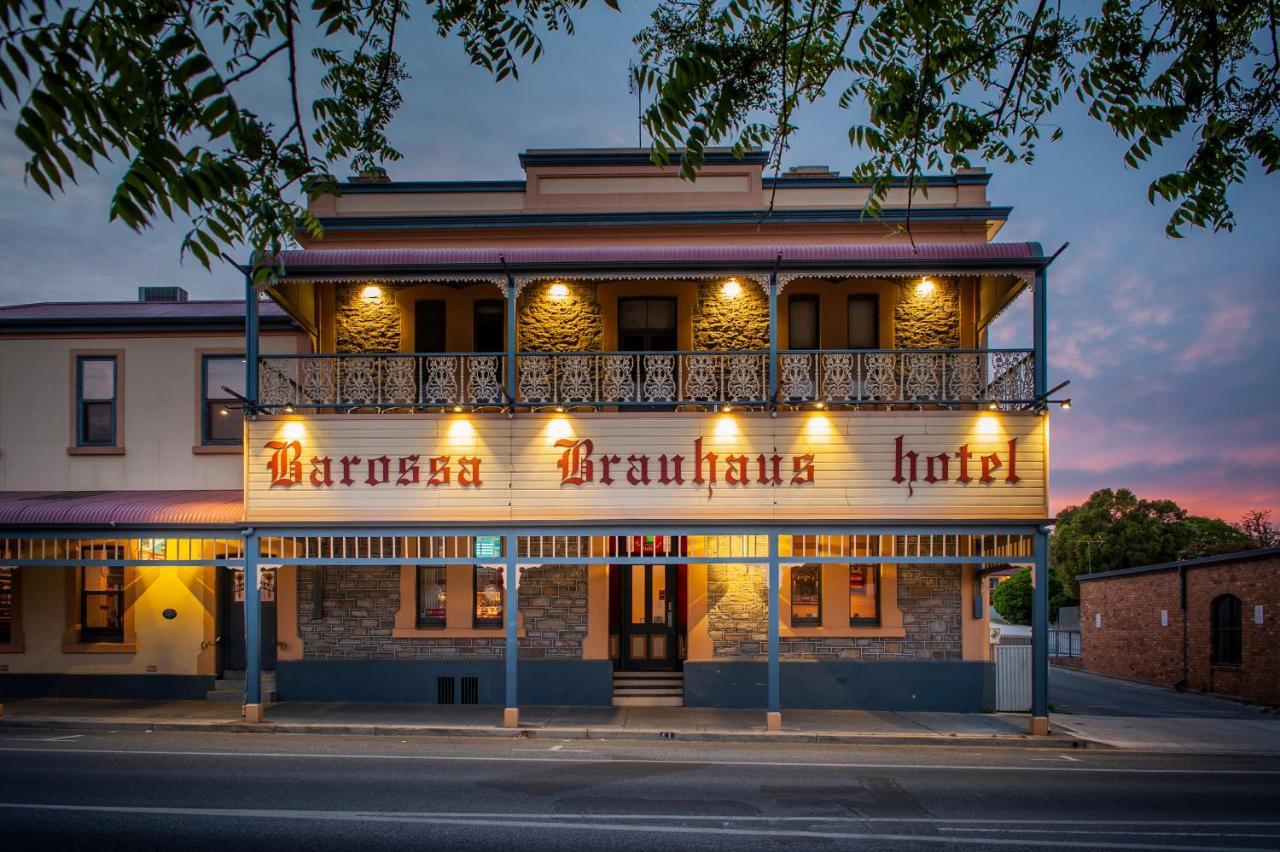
[[95, 451], [1227, 667], [13, 648], [217, 449], [788, 632], [450, 633], [100, 648]]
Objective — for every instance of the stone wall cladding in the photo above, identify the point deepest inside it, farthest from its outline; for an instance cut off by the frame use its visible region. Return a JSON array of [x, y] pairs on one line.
[[1132, 644], [927, 322], [360, 604], [928, 596], [361, 326], [571, 324], [720, 322]]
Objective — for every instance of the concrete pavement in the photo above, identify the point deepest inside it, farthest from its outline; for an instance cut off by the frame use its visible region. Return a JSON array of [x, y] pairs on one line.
[[212, 790]]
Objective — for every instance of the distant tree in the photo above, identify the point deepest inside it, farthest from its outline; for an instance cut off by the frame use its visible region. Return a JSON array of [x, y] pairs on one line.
[[1259, 529], [1012, 597], [1116, 529], [1212, 536]]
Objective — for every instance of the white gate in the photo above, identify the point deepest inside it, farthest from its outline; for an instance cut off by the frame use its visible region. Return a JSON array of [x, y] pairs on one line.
[[1013, 678]]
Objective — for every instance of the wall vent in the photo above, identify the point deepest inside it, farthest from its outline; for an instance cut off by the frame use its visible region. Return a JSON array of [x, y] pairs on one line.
[[470, 690], [162, 294], [445, 690]]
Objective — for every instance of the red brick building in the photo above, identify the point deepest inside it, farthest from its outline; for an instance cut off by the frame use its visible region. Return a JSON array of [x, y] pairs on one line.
[[1210, 624]]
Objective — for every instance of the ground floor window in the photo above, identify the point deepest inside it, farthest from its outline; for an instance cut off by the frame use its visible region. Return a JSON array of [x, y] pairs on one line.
[[864, 595], [432, 595], [8, 603], [1226, 630], [489, 594], [102, 604], [806, 595]]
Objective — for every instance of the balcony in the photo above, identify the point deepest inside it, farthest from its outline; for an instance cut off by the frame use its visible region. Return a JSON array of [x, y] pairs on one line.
[[377, 382]]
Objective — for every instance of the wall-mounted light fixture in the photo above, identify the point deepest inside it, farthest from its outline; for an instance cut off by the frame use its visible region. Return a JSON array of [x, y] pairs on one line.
[[559, 291], [371, 294], [731, 289], [925, 287]]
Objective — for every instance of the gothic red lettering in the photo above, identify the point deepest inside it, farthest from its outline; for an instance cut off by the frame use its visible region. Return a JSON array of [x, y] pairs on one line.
[[348, 462], [322, 472], [438, 471], [285, 463], [576, 466], [770, 469], [410, 473], [736, 470], [802, 469], [698, 458], [898, 458], [469, 471], [676, 473], [638, 470], [379, 471], [943, 460]]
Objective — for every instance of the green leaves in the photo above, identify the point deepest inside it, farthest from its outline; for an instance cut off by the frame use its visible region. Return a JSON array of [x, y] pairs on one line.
[[942, 80]]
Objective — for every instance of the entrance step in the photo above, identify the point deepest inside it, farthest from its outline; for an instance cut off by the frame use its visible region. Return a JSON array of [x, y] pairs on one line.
[[648, 689], [230, 687]]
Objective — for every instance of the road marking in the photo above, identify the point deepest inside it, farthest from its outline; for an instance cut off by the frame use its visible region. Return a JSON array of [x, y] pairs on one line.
[[1115, 832], [557, 822], [444, 758], [45, 739]]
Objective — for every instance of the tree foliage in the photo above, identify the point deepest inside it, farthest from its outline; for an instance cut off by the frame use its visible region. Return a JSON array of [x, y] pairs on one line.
[[1257, 525], [167, 89], [943, 80], [1012, 597], [1117, 529]]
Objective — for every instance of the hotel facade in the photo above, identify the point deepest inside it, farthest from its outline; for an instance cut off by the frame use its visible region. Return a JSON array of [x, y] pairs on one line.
[[604, 436]]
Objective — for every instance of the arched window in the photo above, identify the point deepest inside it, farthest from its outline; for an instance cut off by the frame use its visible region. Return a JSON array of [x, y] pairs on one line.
[[1226, 630]]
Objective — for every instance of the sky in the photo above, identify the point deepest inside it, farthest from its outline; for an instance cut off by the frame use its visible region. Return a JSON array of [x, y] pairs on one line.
[[1171, 346]]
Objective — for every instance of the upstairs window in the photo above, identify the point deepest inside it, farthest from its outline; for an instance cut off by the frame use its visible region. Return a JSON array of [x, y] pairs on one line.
[[221, 417], [96, 400], [864, 322], [489, 325], [806, 595], [1226, 630], [802, 322]]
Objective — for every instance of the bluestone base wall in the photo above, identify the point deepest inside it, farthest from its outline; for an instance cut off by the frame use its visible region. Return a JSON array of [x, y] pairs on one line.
[[145, 686]]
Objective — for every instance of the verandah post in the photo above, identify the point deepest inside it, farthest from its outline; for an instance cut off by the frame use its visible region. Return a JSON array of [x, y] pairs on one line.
[[773, 719], [511, 715], [1040, 320], [250, 340], [773, 336], [252, 631], [511, 341], [1040, 638]]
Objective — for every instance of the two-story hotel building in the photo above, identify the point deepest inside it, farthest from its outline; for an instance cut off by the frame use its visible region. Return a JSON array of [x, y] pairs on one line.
[[604, 436]]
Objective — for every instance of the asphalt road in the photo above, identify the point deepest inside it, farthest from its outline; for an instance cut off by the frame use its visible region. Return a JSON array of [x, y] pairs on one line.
[[265, 791], [1095, 695]]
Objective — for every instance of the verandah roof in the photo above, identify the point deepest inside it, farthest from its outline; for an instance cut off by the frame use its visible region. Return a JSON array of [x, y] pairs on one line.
[[119, 508]]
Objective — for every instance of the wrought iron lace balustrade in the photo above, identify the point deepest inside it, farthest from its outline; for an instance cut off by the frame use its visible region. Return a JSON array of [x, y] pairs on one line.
[[422, 381]]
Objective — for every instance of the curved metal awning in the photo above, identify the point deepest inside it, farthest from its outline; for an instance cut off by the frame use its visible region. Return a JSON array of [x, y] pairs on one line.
[[80, 509]]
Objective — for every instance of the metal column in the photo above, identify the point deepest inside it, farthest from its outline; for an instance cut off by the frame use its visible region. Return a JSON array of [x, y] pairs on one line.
[[511, 341], [1040, 321], [511, 715], [252, 631], [250, 341], [1040, 638], [773, 719], [773, 336]]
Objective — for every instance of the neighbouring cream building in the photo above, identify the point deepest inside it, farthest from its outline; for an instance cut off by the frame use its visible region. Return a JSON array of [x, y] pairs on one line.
[[604, 436]]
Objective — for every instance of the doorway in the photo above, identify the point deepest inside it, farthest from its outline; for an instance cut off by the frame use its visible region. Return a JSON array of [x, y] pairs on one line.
[[231, 616], [429, 325], [647, 324]]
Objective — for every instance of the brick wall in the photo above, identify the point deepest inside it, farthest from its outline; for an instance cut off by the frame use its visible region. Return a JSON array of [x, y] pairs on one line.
[[361, 326], [721, 322], [360, 604], [569, 324], [1132, 644], [928, 596], [929, 321]]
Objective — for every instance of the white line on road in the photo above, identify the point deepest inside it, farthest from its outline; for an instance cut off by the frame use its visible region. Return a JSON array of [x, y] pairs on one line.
[[558, 823], [649, 760], [1113, 832], [45, 739]]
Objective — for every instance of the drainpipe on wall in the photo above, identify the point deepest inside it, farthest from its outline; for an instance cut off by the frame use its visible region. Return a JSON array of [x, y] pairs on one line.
[[1182, 602]]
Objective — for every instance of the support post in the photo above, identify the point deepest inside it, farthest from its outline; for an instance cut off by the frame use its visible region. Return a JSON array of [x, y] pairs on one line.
[[250, 341], [511, 341], [252, 631], [1040, 319], [773, 335], [773, 719], [1040, 638], [511, 715]]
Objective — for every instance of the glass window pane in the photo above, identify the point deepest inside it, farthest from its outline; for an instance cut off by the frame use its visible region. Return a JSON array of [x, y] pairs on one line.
[[806, 594], [488, 602], [97, 378], [97, 422], [220, 372], [637, 594], [864, 600], [633, 314], [431, 596], [658, 604], [7, 578], [802, 322], [662, 314], [863, 327], [223, 424]]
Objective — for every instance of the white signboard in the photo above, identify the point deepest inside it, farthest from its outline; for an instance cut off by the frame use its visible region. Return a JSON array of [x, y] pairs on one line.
[[650, 466]]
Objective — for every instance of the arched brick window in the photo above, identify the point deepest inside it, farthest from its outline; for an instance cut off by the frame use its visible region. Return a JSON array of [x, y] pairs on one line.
[[1226, 630]]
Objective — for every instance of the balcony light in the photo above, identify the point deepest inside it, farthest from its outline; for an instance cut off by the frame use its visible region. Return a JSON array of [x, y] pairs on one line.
[[731, 289], [371, 294], [993, 405], [925, 288], [288, 409], [559, 291], [223, 411], [457, 409]]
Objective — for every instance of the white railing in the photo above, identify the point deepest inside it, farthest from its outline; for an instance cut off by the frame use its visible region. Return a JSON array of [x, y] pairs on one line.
[[939, 376], [642, 378], [380, 380]]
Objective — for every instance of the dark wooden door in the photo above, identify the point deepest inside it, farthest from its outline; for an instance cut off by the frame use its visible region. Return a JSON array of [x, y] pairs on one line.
[[648, 631], [231, 593], [429, 324]]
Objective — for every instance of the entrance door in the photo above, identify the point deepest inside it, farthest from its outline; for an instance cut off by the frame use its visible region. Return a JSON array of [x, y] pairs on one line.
[[231, 593], [429, 323], [648, 626]]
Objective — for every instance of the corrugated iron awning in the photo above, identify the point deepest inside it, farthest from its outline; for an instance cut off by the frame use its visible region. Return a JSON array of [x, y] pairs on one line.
[[119, 508]]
